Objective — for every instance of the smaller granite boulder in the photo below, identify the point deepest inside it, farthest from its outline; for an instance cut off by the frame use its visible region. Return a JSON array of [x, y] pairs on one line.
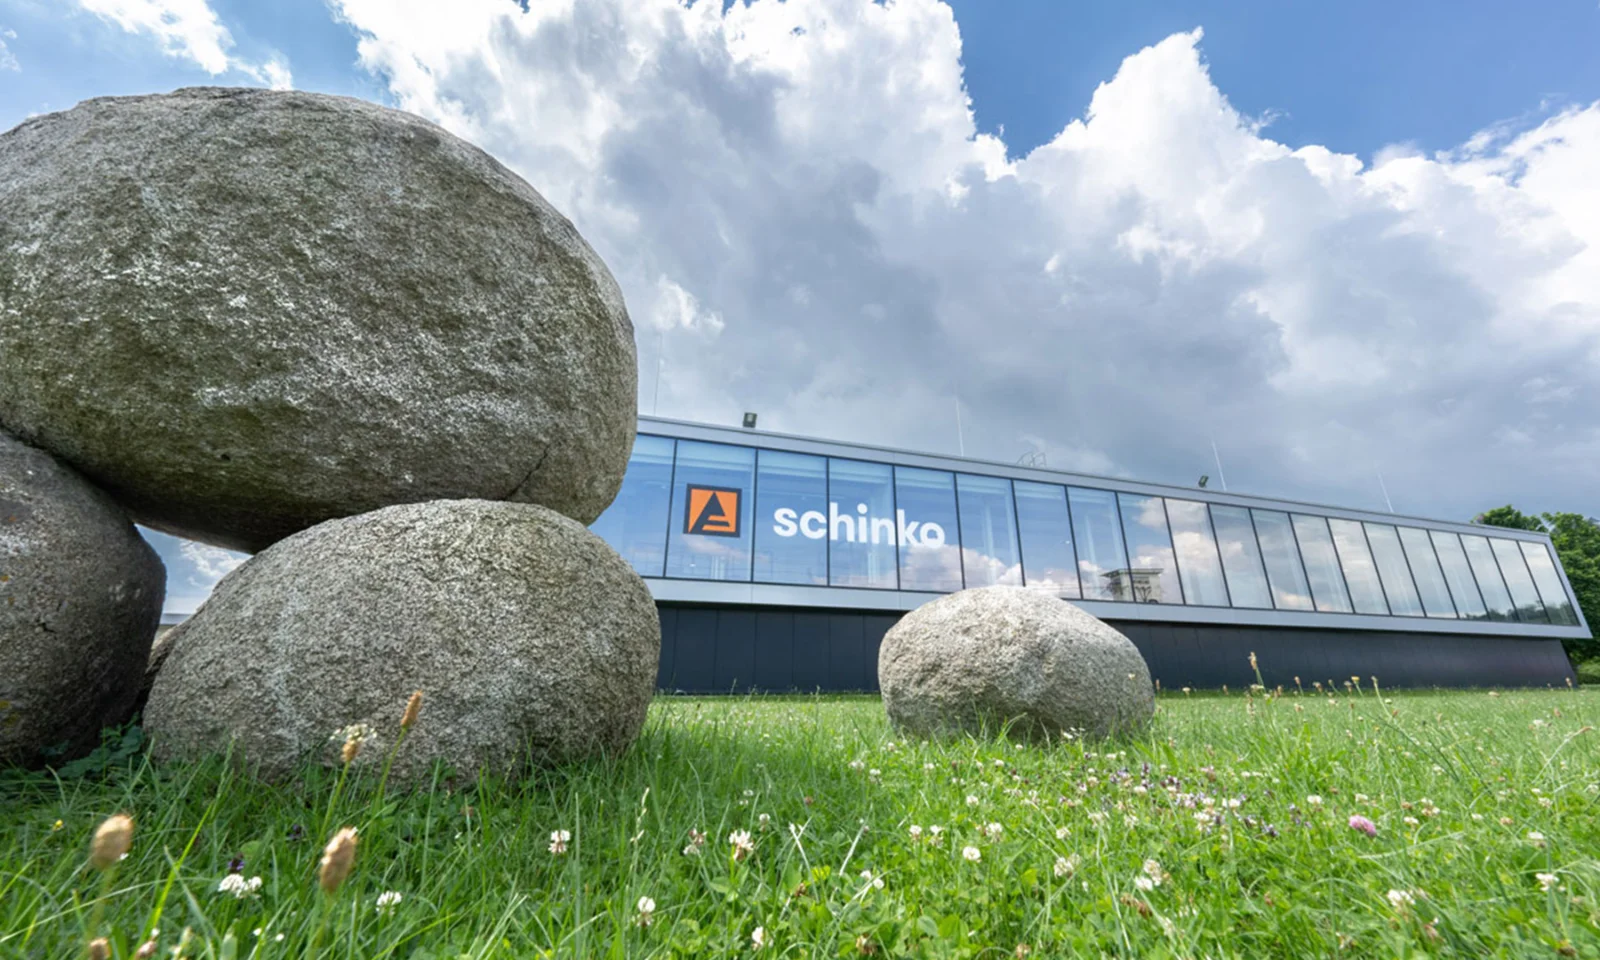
[[80, 598], [530, 638], [1005, 658]]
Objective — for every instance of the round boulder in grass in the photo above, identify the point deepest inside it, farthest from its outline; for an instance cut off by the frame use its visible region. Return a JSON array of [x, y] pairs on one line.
[[80, 599], [1007, 659], [244, 312], [530, 638]]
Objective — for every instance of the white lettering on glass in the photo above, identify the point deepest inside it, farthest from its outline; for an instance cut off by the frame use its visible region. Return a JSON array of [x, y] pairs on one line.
[[813, 525]]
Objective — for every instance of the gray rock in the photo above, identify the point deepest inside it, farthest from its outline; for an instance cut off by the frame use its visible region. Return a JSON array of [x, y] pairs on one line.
[[528, 635], [243, 312], [80, 598], [980, 660]]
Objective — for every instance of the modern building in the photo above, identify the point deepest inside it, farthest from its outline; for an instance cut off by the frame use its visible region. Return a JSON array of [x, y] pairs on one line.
[[778, 563]]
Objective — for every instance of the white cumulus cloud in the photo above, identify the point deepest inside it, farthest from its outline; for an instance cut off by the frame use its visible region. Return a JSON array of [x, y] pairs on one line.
[[189, 29], [800, 209], [209, 563], [8, 60]]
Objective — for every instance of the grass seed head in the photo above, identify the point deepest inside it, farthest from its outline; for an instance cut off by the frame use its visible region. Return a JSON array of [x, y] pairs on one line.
[[413, 707], [99, 949], [111, 841], [351, 750], [337, 859]]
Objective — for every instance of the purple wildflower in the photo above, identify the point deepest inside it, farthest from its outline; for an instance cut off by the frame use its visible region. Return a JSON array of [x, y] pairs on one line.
[[1358, 822]]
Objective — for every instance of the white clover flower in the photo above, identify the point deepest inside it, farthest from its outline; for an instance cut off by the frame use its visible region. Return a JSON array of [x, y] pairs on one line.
[[743, 846], [1144, 883], [758, 938], [971, 854], [1536, 838], [1410, 821], [558, 841], [1313, 800], [874, 881], [992, 831], [388, 900], [764, 821], [1066, 866], [236, 884], [1061, 833], [359, 732], [647, 910], [1400, 898], [854, 765], [929, 766], [1547, 882], [915, 831], [972, 801]]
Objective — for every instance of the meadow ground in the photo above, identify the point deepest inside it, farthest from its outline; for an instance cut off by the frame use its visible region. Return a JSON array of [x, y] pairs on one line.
[[1311, 824]]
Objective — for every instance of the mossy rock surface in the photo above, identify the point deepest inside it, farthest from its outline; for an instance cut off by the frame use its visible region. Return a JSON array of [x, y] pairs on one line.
[[244, 312]]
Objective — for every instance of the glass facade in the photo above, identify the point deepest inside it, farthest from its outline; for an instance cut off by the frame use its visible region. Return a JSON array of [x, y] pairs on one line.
[[1048, 559], [699, 510], [1199, 565], [1393, 570], [1241, 557], [1360, 573], [1152, 574], [988, 531], [930, 559]]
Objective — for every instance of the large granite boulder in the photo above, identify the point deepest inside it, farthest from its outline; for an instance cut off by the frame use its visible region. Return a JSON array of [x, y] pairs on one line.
[[80, 598], [1006, 658], [528, 635], [243, 312]]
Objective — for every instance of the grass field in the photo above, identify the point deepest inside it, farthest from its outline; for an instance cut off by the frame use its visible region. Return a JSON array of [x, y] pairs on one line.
[[1227, 832]]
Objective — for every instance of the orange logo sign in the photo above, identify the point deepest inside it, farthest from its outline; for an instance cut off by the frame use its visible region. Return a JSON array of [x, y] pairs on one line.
[[712, 511]]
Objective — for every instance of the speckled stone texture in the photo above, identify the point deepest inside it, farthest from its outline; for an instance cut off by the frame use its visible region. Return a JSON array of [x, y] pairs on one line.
[[244, 312], [995, 658], [80, 598], [530, 638]]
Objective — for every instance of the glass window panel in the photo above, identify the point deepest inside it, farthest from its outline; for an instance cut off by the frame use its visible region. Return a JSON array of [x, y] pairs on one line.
[[711, 512], [1280, 554], [1548, 581], [1487, 573], [1199, 564], [1394, 570], [1098, 533], [1458, 573], [1241, 557], [1435, 594], [1360, 573], [1515, 570], [861, 530], [1152, 576], [791, 518], [1322, 564], [988, 531], [930, 558], [636, 522], [1045, 529]]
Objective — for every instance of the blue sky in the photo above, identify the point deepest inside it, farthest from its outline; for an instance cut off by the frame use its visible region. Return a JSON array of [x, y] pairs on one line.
[[1337, 239]]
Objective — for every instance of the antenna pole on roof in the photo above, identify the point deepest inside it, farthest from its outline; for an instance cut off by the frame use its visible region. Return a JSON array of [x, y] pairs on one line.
[[961, 442], [661, 340], [1385, 489], [1218, 457]]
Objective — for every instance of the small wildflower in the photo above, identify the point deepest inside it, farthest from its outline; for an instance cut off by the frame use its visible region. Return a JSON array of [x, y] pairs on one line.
[[1313, 800], [972, 801], [388, 900], [413, 708], [758, 938], [743, 846], [872, 880], [764, 822], [992, 831], [1399, 899], [1062, 832], [146, 950], [1358, 822], [915, 831], [1505, 821], [972, 854], [647, 911], [337, 859], [111, 841], [236, 884], [1144, 883], [1536, 838], [558, 841], [1547, 882], [1411, 821], [1066, 866], [1152, 869], [56, 826]]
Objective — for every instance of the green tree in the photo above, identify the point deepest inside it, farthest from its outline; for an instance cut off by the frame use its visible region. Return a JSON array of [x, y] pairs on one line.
[[1577, 542]]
